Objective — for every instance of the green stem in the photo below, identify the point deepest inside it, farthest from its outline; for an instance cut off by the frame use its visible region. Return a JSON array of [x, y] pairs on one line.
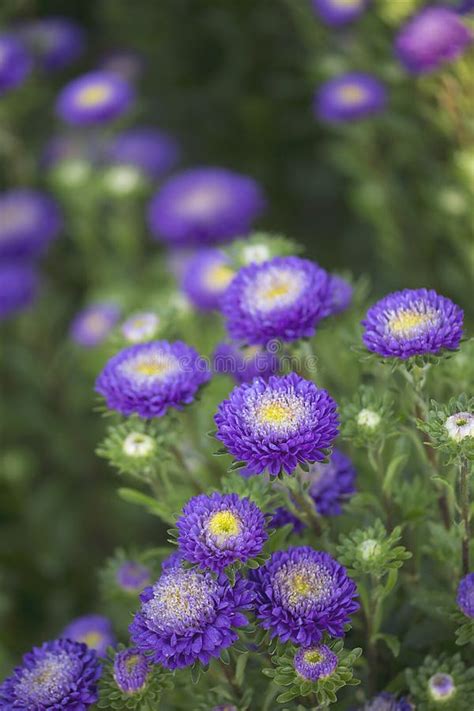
[[465, 513]]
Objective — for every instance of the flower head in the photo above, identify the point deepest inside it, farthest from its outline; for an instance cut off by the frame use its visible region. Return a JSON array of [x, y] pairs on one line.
[[94, 98], [153, 152], [245, 363], [412, 322], [282, 517], [460, 426], [131, 671], [350, 97], [93, 324], [434, 36], [149, 378], [465, 596], [441, 687], [368, 419], [15, 63], [278, 423], [188, 616], [332, 484], [93, 630], [283, 298], [58, 675], [387, 702], [132, 576], [220, 529], [138, 445], [140, 327], [29, 221], [205, 206], [206, 278], [55, 42], [302, 593], [339, 12], [18, 288], [339, 296], [316, 662]]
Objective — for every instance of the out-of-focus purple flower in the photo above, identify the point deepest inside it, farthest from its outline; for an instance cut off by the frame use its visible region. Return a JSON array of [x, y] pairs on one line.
[[18, 288], [204, 206], [94, 98], [15, 63], [149, 378], [55, 42], [465, 596], [92, 325], [141, 327], [131, 671], [29, 221], [172, 561], [331, 484], [441, 686], [283, 298], [302, 593], [339, 295], [282, 517], [206, 277], [339, 12], [126, 63], [58, 675], [149, 150], [247, 362], [277, 424], [188, 616], [412, 322], [350, 97], [387, 702], [93, 630], [132, 576], [431, 38], [317, 662]]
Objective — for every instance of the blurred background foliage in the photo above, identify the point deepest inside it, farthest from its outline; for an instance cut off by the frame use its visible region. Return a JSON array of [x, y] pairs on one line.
[[390, 198]]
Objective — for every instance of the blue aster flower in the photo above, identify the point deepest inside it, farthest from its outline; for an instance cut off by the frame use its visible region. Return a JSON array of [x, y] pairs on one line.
[[220, 529], [131, 670], [55, 42], [315, 662], [387, 702], [302, 593], [149, 150], [95, 631], [412, 322], [15, 63], [92, 325], [277, 424], [205, 206], [18, 288], [206, 277], [94, 98], [61, 674], [141, 326], [246, 362], [282, 517], [331, 484], [431, 38], [339, 12], [188, 616], [132, 576], [283, 298], [350, 97], [339, 295], [465, 595], [149, 378], [29, 221]]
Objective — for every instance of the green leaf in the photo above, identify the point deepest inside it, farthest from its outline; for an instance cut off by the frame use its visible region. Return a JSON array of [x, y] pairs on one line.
[[393, 468], [132, 496], [240, 668], [391, 641]]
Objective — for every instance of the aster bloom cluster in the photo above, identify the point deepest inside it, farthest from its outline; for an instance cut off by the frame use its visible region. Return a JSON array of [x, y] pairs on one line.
[[95, 631]]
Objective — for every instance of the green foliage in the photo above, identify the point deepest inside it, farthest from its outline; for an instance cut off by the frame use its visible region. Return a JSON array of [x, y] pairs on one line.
[[421, 681]]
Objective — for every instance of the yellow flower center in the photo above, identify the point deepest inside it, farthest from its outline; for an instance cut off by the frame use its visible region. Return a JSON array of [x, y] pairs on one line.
[[93, 95], [404, 323], [274, 412], [224, 524], [312, 656], [132, 662], [219, 277], [300, 584], [154, 366], [275, 291], [92, 639], [351, 94]]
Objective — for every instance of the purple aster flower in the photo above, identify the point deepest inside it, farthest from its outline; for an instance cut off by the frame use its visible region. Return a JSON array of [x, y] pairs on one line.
[[465, 596], [188, 616], [18, 288], [441, 686], [94, 98], [339, 295], [245, 363], [204, 206], [434, 36], [56, 42], [339, 12], [332, 484], [131, 671], [151, 377], [172, 561], [277, 424], [58, 675], [141, 327], [92, 325], [29, 221], [282, 517], [313, 663], [15, 63], [126, 63], [206, 277], [218, 530], [387, 702], [350, 97], [93, 630], [302, 593], [132, 576], [283, 298], [412, 322], [148, 149]]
